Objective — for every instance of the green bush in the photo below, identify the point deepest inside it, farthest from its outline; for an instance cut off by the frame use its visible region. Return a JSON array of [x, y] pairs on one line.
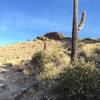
[[78, 82]]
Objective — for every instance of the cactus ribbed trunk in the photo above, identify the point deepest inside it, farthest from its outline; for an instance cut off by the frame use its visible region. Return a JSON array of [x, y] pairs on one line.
[[74, 31]]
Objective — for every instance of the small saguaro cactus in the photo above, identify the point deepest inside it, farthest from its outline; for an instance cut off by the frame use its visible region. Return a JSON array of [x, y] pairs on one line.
[[76, 28]]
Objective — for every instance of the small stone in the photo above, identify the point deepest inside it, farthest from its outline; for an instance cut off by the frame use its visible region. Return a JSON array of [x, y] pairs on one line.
[[26, 72], [5, 70], [1, 85]]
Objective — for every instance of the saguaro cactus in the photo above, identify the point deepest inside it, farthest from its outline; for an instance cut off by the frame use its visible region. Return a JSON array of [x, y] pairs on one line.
[[76, 28]]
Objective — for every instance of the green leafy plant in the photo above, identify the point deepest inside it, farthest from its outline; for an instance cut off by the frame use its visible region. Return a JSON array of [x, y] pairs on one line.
[[78, 82]]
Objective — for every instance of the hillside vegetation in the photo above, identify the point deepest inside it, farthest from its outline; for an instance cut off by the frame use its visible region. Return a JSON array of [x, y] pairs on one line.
[[23, 51], [52, 71]]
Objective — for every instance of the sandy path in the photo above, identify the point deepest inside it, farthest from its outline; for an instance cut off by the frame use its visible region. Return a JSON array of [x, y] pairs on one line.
[[10, 85]]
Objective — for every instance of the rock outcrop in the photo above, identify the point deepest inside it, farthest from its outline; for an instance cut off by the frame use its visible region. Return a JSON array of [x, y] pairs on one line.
[[88, 40], [52, 35]]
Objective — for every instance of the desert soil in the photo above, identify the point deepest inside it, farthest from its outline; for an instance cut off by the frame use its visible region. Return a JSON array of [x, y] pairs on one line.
[[13, 84]]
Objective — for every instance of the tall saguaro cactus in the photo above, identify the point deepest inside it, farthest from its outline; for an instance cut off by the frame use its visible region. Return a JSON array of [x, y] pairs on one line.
[[76, 28]]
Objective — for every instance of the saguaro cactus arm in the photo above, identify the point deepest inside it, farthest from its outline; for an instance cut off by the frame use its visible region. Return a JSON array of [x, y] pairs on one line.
[[82, 22]]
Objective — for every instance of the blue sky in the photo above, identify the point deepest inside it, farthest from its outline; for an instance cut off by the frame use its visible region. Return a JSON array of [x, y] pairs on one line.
[[26, 19]]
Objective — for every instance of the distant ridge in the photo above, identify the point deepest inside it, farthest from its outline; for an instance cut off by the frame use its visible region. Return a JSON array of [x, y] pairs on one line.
[[89, 40], [60, 37]]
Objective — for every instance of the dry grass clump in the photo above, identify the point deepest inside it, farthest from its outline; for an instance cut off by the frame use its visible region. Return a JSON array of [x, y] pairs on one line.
[[89, 48], [22, 51], [97, 51], [79, 82], [46, 66], [90, 52], [49, 64]]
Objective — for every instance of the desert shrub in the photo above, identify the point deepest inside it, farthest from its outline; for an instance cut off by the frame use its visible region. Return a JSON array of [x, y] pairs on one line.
[[98, 40], [78, 82], [45, 66], [59, 58], [69, 48], [82, 54], [89, 49], [97, 51], [48, 64], [97, 55], [90, 52], [38, 61], [80, 44]]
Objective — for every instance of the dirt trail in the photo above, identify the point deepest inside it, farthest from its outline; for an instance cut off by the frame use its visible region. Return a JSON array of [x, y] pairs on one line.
[[11, 85]]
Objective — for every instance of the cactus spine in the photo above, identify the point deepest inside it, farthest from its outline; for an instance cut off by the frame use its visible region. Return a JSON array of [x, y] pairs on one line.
[[76, 28]]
